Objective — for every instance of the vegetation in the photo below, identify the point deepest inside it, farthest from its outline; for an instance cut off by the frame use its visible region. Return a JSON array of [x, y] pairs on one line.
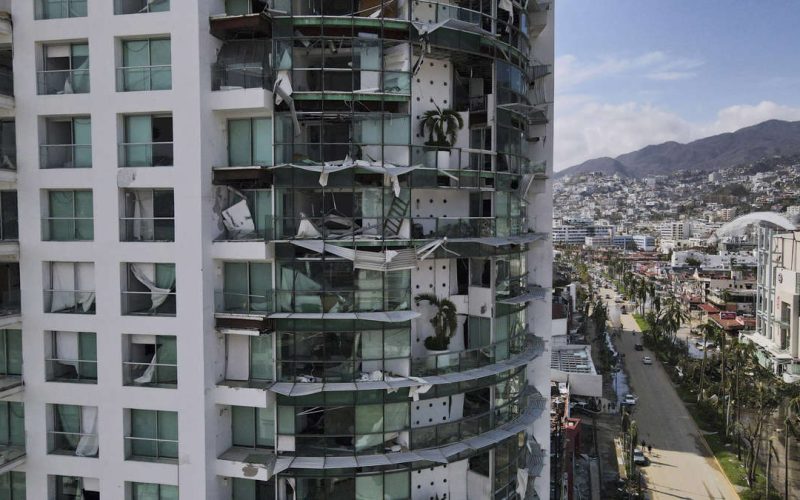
[[445, 321], [444, 124]]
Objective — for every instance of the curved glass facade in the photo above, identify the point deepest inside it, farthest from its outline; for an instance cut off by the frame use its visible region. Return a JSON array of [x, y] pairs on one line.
[[368, 220]]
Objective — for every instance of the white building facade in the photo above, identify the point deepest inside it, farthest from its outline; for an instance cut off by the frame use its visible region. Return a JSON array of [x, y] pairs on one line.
[[229, 216]]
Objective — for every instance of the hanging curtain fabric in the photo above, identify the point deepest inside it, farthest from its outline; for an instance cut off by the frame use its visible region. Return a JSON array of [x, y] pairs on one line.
[[238, 220], [67, 348], [88, 445], [62, 275], [69, 423], [85, 284], [147, 376], [143, 215], [146, 275], [80, 76]]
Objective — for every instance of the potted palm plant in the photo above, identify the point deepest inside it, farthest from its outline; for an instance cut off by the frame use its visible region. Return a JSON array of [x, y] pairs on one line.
[[445, 323], [441, 127]]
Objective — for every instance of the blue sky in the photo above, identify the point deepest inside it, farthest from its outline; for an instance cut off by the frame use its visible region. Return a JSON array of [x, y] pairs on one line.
[[635, 72]]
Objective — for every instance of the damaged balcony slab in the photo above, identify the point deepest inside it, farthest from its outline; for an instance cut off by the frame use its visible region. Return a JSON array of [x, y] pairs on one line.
[[251, 463], [231, 322], [225, 27], [261, 177]]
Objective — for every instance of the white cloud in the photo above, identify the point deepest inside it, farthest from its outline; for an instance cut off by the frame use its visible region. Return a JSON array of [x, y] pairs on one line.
[[655, 65], [586, 129]]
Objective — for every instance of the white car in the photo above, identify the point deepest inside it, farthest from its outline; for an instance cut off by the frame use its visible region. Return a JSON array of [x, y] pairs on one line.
[[639, 458], [647, 360], [630, 399]]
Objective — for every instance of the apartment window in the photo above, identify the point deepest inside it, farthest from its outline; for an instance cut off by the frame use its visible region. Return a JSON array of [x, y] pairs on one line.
[[12, 424], [9, 289], [74, 488], [70, 216], [253, 427], [147, 215], [12, 485], [248, 489], [247, 287], [149, 289], [153, 435], [73, 430], [10, 353], [8, 145], [59, 9], [249, 358], [67, 143], [147, 141], [9, 230], [151, 361], [72, 357], [146, 65], [140, 6], [65, 69], [152, 491], [69, 287], [250, 142]]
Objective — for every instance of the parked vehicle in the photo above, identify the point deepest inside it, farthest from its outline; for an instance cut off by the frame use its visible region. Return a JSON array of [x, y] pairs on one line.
[[639, 458], [630, 399], [638, 347], [647, 360]]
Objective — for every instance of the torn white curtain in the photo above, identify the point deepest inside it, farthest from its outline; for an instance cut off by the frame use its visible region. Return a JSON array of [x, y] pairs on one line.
[[67, 348], [72, 285], [147, 376], [390, 260], [507, 6], [306, 228], [238, 220], [88, 446], [146, 275], [427, 249], [142, 215]]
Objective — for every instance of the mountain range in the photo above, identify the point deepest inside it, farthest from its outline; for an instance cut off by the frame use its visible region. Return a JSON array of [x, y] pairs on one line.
[[746, 145]]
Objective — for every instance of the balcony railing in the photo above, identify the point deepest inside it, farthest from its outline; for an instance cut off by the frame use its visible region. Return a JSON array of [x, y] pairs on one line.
[[6, 82], [331, 301], [468, 359], [67, 228], [149, 374], [264, 231], [65, 156], [384, 9], [240, 76], [68, 81], [9, 303], [140, 6], [72, 370], [66, 443], [141, 304], [8, 157], [147, 154], [142, 78], [147, 229], [241, 303], [150, 449], [69, 301], [465, 428]]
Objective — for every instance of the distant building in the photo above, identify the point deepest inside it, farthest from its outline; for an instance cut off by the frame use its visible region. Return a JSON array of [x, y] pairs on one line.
[[679, 230], [644, 242], [727, 214], [793, 210]]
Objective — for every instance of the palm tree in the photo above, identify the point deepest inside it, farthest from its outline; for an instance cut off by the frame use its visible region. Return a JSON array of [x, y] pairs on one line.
[[709, 331], [444, 124], [445, 321]]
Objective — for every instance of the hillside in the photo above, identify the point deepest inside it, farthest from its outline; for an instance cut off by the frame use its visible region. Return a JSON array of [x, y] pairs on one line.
[[773, 137]]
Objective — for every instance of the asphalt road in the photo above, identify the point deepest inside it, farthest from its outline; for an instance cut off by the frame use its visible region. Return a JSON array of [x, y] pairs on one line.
[[681, 465]]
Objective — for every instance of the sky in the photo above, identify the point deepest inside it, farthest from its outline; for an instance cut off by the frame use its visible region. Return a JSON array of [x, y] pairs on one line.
[[630, 73]]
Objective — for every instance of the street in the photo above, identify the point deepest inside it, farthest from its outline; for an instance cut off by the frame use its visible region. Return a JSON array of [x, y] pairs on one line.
[[681, 465]]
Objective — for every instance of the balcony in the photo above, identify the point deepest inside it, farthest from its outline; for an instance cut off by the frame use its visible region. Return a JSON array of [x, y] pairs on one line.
[[59, 82], [59, 9], [242, 305], [122, 7], [148, 154], [488, 359], [75, 371], [243, 19], [144, 78], [65, 156], [150, 374], [69, 301]]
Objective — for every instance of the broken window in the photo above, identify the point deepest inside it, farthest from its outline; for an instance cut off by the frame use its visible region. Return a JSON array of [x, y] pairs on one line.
[[72, 357], [147, 141], [147, 215], [151, 361], [67, 143], [149, 289], [69, 287], [65, 69]]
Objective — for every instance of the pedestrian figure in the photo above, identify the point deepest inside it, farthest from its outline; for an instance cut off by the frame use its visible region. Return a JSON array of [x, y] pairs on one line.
[[643, 444], [650, 449]]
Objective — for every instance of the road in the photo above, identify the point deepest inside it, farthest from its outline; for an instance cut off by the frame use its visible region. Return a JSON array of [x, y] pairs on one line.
[[681, 464]]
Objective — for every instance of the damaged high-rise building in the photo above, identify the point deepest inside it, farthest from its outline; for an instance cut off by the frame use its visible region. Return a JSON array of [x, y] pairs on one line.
[[285, 249]]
